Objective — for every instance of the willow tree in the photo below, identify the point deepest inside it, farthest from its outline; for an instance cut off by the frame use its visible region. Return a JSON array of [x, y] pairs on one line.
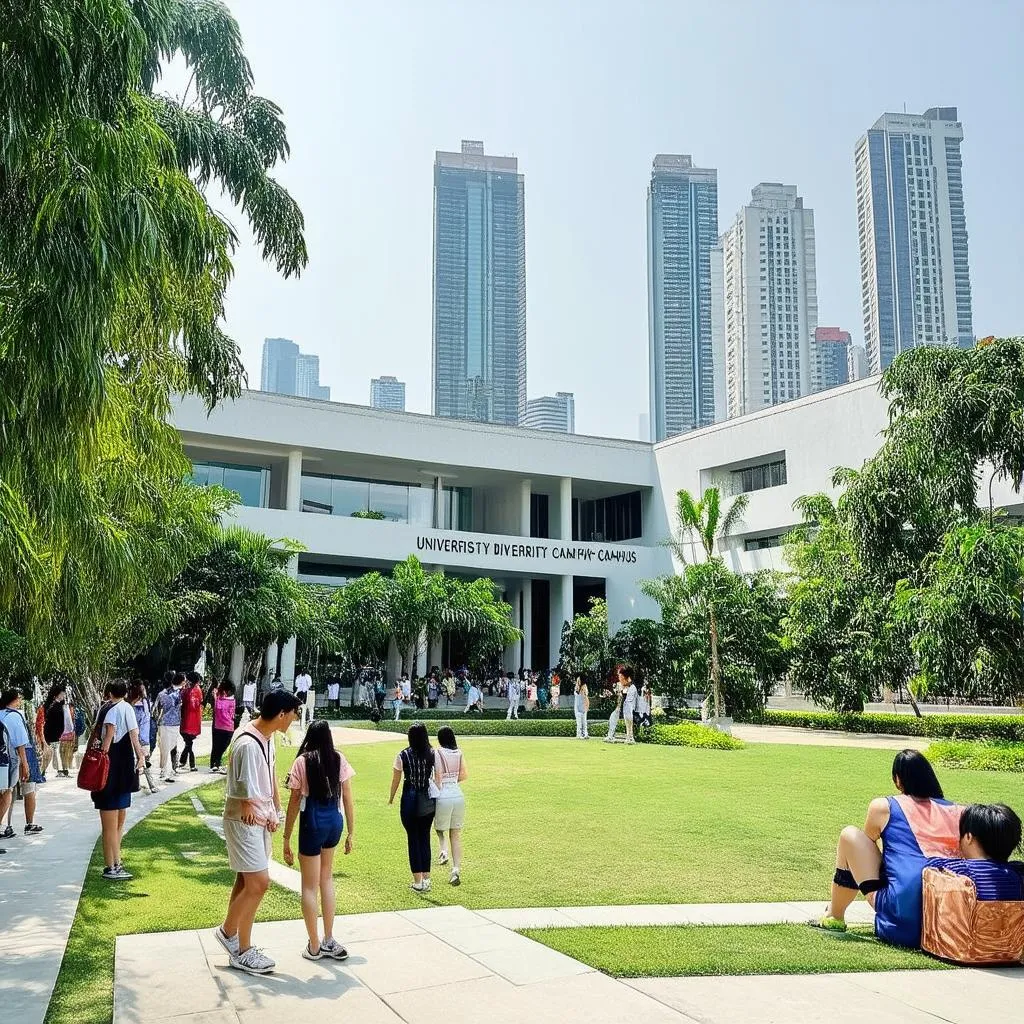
[[113, 270]]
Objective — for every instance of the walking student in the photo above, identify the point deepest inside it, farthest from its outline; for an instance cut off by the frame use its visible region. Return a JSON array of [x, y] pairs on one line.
[[613, 718], [303, 688], [223, 723], [168, 720], [252, 812], [249, 694], [514, 694], [580, 706], [629, 698], [191, 719], [396, 701], [414, 769], [139, 702], [320, 784], [19, 771], [450, 810], [56, 723]]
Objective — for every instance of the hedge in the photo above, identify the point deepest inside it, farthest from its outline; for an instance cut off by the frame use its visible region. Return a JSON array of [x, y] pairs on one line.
[[689, 734], [977, 727], [410, 712], [994, 757]]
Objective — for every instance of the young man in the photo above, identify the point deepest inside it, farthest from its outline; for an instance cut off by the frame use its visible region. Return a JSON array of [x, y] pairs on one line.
[[12, 721], [252, 811], [629, 697], [303, 688], [513, 697], [989, 836], [249, 694]]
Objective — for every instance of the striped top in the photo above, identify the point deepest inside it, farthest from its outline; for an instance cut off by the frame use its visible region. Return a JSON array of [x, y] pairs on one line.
[[992, 879]]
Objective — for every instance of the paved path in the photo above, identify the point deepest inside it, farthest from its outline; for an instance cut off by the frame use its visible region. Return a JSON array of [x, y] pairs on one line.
[[823, 738], [40, 880], [461, 967]]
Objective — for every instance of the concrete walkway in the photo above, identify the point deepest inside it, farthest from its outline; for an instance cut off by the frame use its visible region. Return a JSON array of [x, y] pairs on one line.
[[824, 738]]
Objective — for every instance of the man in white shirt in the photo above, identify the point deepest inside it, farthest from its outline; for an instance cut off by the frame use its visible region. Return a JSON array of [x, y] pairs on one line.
[[514, 694], [303, 688], [249, 695], [252, 812]]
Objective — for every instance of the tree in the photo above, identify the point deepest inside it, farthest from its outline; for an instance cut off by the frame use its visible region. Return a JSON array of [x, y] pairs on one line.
[[704, 520], [639, 643], [585, 645]]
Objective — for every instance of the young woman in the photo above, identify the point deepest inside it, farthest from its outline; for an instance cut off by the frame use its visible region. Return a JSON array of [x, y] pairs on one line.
[[143, 712], [450, 813], [56, 723], [580, 706], [191, 718], [223, 724], [69, 738], [396, 701], [117, 733], [168, 720], [319, 780], [918, 824], [629, 699], [414, 769]]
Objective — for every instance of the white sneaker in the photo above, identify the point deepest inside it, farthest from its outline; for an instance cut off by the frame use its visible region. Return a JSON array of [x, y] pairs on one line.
[[334, 949], [426, 885], [229, 942], [252, 961], [308, 954], [442, 857], [455, 880]]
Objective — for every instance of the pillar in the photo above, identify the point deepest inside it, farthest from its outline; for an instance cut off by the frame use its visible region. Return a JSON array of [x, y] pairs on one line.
[[525, 494], [561, 611], [237, 667], [271, 668], [438, 503], [526, 624], [293, 482], [565, 508], [421, 654], [510, 660], [288, 664]]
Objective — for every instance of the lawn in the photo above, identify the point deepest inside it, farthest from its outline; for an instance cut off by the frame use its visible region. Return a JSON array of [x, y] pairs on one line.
[[556, 822], [661, 952]]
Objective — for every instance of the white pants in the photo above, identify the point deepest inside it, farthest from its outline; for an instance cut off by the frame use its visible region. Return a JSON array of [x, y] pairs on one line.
[[167, 739], [613, 724], [513, 710], [581, 726]]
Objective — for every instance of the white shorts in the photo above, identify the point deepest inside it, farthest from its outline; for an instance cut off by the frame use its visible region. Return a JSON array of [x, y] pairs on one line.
[[11, 780], [248, 846], [449, 813]]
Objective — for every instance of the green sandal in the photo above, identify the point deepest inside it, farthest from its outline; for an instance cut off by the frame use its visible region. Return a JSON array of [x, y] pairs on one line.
[[829, 924]]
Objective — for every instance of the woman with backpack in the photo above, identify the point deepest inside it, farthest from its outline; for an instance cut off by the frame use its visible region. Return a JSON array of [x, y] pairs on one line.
[[57, 722], [414, 769], [320, 785]]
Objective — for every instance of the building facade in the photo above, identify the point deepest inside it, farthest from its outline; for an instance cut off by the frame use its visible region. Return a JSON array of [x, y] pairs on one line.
[[833, 355], [552, 412], [857, 362], [915, 279], [387, 393], [682, 229], [287, 371], [768, 305], [479, 303], [553, 519]]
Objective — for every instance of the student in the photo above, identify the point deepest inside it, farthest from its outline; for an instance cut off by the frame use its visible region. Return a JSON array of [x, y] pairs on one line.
[[450, 809], [474, 699], [168, 718], [556, 690], [613, 718], [19, 743], [249, 694], [223, 724], [191, 718], [252, 811], [397, 700], [432, 692], [414, 769], [580, 706], [334, 694], [143, 713], [629, 698], [56, 724], [319, 781], [303, 688], [989, 835], [514, 693], [917, 824]]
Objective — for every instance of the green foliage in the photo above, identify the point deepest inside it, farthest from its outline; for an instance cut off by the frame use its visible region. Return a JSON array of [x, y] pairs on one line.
[[640, 643], [689, 734], [585, 647], [992, 756], [368, 513], [981, 727], [484, 726]]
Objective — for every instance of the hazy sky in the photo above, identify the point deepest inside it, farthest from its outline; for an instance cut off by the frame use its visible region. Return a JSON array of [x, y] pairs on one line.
[[585, 94]]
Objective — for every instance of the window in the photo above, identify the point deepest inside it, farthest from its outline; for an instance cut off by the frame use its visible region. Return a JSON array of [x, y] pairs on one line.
[[757, 478], [250, 483], [762, 543], [608, 519], [539, 515]]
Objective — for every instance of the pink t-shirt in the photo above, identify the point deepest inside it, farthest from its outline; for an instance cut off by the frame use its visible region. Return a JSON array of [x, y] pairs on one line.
[[224, 713], [298, 781]]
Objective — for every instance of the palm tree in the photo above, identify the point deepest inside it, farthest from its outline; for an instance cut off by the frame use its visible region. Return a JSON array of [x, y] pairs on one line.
[[703, 518]]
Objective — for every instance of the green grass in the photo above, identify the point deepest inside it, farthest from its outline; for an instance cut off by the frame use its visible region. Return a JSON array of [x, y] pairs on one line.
[[662, 952], [182, 880], [993, 756]]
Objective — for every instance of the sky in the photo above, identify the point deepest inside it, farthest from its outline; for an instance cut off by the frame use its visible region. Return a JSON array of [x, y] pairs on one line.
[[585, 94]]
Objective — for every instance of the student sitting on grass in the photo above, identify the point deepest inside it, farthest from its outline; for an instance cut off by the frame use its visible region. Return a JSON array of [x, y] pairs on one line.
[[989, 835], [918, 824]]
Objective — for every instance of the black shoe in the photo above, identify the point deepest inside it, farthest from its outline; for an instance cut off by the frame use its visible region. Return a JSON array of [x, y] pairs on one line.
[[8, 833], [31, 830]]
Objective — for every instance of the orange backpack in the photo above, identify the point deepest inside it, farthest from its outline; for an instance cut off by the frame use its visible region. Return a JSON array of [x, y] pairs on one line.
[[960, 927]]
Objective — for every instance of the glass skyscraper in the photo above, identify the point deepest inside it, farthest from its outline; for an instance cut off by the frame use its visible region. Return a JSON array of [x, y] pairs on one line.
[[682, 229], [479, 331], [287, 371], [915, 281], [387, 393]]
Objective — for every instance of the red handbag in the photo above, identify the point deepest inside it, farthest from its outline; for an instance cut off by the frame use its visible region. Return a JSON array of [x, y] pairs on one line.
[[94, 770]]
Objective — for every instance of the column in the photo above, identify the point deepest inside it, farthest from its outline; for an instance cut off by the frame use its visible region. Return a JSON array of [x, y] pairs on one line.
[[438, 503], [293, 483], [526, 625], [561, 611], [421, 654], [288, 651], [525, 493], [271, 666], [237, 667], [565, 509], [510, 660]]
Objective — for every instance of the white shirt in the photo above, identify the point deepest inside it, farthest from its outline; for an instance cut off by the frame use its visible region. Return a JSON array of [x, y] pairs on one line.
[[513, 690], [122, 717], [332, 691], [629, 699], [406, 689], [249, 693], [303, 682], [474, 695]]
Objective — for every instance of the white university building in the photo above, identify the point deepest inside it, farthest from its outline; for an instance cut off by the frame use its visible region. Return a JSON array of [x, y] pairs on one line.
[[553, 519], [765, 302]]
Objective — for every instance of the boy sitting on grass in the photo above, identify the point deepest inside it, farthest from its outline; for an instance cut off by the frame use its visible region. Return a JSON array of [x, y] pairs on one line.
[[989, 835]]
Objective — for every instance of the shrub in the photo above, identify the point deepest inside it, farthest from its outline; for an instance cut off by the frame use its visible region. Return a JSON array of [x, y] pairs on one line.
[[994, 757], [689, 734], [977, 727], [454, 710]]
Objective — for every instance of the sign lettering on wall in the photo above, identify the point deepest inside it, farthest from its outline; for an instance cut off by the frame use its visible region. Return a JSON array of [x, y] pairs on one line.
[[508, 549]]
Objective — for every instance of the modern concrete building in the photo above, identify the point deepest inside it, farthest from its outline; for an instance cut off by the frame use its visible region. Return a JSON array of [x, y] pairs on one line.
[[287, 371], [682, 229], [387, 393], [553, 519], [767, 303], [833, 356], [479, 332], [857, 362], [915, 279], [552, 412]]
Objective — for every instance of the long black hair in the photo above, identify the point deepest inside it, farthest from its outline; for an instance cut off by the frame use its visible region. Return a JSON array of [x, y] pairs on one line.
[[55, 690], [323, 763], [914, 774], [419, 741], [446, 738]]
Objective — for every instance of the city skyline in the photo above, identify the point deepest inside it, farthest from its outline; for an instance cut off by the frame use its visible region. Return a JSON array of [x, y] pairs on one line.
[[586, 144], [551, 412], [387, 393], [286, 370]]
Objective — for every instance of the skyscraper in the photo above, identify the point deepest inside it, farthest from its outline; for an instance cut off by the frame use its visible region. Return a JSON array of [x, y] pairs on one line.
[[915, 281], [552, 412], [387, 393], [857, 362], [479, 332], [769, 307], [833, 345], [682, 229], [287, 371]]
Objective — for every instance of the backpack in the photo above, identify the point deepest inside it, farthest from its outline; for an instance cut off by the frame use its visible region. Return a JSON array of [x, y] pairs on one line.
[[5, 750]]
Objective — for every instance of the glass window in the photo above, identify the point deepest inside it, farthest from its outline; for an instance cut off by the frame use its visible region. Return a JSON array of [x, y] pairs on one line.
[[421, 506], [315, 493], [348, 496], [392, 500], [249, 483]]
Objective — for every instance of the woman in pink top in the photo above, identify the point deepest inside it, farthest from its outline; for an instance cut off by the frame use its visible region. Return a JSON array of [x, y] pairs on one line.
[[223, 724], [319, 780]]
